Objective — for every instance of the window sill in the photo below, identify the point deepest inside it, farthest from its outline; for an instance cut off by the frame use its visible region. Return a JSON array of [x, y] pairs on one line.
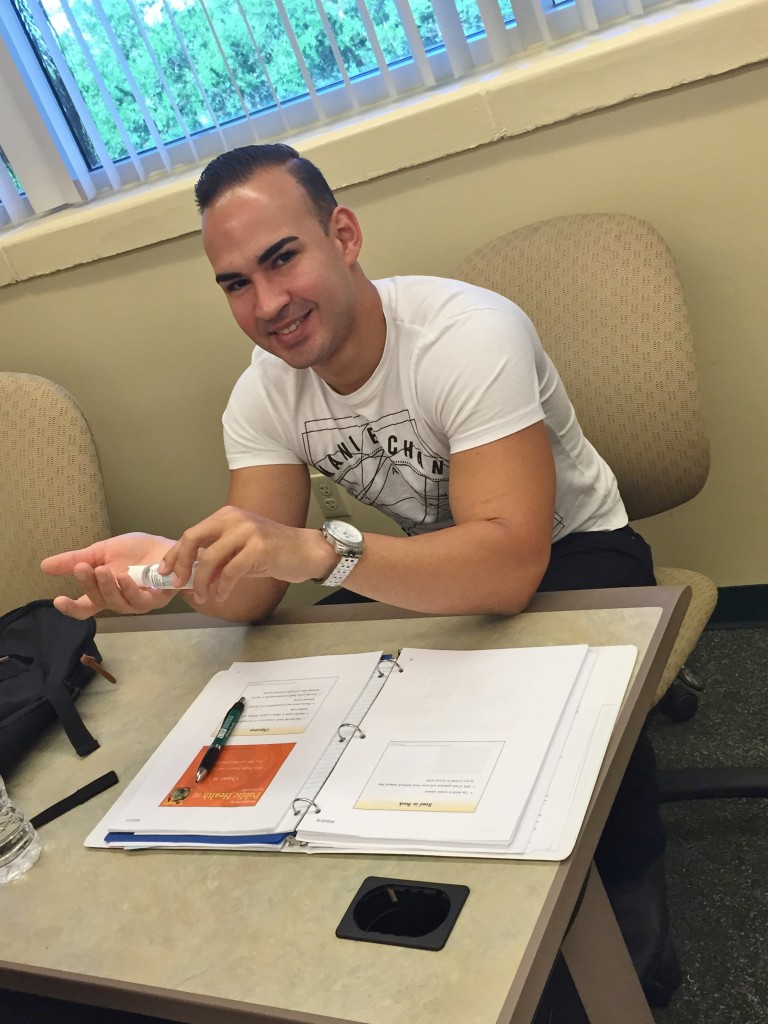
[[634, 59]]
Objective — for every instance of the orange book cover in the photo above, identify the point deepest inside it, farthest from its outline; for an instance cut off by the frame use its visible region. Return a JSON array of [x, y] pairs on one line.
[[240, 777]]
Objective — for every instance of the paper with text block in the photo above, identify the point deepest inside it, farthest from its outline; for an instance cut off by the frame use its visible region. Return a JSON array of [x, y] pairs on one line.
[[302, 700], [503, 707], [554, 812]]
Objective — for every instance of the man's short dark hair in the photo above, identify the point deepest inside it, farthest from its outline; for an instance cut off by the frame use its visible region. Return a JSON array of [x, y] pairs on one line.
[[237, 166]]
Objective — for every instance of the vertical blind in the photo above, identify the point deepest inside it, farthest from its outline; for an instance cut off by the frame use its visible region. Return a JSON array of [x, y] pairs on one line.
[[99, 94]]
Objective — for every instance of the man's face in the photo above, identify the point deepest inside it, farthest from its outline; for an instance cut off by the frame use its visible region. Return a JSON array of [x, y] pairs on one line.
[[289, 284]]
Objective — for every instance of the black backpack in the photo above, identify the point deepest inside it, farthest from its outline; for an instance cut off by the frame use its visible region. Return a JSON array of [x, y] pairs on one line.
[[46, 659]]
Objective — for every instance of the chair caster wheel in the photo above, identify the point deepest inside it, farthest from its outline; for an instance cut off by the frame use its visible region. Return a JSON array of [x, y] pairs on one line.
[[679, 703]]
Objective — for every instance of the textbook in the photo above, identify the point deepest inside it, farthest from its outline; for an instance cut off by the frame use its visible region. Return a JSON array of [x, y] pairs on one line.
[[484, 753]]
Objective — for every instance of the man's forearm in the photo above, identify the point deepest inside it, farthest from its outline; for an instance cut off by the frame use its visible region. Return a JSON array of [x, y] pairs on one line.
[[474, 568], [251, 600], [480, 567]]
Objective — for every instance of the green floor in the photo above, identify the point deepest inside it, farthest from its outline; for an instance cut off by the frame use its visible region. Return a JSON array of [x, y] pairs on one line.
[[717, 860]]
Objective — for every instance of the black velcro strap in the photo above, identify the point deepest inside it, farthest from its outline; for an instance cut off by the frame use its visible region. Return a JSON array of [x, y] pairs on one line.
[[83, 742], [75, 799]]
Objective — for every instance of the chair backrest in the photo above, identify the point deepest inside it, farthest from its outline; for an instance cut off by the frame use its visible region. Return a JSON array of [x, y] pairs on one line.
[[51, 491], [605, 297]]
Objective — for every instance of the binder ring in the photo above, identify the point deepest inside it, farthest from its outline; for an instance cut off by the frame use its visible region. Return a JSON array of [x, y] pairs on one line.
[[305, 800], [353, 727], [389, 661]]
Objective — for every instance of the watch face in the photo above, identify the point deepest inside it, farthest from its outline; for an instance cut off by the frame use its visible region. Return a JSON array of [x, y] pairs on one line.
[[346, 533]]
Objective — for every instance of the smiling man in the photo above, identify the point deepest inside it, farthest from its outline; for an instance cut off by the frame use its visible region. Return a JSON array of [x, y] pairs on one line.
[[303, 297], [429, 399]]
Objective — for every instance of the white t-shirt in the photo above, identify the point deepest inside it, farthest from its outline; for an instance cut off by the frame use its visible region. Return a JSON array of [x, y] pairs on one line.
[[461, 367]]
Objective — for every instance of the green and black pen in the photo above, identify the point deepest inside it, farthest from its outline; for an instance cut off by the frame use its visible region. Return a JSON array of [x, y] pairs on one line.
[[221, 737]]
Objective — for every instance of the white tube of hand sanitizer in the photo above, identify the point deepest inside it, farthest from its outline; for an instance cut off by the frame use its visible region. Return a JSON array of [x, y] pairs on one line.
[[149, 577]]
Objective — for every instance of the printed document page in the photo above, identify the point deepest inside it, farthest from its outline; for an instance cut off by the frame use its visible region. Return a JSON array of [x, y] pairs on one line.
[[565, 803], [292, 711], [452, 750], [554, 813]]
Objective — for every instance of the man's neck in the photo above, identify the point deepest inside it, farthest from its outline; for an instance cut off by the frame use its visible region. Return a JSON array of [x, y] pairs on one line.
[[362, 354]]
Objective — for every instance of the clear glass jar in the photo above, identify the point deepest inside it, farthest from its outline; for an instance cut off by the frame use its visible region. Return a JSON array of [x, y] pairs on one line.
[[19, 843]]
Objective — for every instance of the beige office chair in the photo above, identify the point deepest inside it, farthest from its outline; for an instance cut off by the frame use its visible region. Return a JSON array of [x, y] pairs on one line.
[[603, 292], [51, 491]]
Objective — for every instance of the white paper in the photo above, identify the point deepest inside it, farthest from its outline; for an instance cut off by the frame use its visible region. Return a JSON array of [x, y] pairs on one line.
[[478, 753], [506, 702], [550, 823], [310, 696]]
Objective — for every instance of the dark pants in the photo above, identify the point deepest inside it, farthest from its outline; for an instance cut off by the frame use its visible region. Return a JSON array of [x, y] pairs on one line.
[[634, 835]]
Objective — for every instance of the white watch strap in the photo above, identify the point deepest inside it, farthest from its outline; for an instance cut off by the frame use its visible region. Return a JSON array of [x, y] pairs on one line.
[[336, 576]]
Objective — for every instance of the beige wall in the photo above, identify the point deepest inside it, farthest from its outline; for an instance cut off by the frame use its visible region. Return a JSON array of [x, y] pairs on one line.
[[144, 343]]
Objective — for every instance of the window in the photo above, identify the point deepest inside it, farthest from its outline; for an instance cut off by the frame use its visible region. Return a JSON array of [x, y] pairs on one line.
[[101, 94]]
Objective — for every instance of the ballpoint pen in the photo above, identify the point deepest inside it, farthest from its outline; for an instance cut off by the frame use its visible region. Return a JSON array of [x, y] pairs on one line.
[[221, 737]]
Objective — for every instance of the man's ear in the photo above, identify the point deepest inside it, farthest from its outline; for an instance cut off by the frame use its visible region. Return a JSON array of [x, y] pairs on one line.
[[344, 228]]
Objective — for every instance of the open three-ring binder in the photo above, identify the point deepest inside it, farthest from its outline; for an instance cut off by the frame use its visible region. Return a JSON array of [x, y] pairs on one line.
[[486, 753]]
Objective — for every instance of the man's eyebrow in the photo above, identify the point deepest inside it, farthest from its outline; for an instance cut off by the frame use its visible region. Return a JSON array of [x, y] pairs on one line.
[[268, 253], [275, 248]]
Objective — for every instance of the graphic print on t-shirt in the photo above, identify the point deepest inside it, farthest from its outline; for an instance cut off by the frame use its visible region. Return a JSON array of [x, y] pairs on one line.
[[384, 463]]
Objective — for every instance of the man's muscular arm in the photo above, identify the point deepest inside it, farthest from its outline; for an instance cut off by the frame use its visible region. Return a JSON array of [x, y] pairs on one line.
[[491, 561]]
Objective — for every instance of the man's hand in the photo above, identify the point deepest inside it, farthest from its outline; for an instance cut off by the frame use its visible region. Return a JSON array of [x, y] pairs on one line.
[[101, 572], [233, 544]]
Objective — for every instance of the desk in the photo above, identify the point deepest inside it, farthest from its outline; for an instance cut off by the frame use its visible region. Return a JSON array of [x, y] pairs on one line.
[[197, 936]]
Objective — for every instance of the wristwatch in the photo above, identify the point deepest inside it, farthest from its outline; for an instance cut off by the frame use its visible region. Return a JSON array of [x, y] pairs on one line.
[[347, 541]]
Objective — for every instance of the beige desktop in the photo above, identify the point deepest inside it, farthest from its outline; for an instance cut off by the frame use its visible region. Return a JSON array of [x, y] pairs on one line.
[[201, 935]]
